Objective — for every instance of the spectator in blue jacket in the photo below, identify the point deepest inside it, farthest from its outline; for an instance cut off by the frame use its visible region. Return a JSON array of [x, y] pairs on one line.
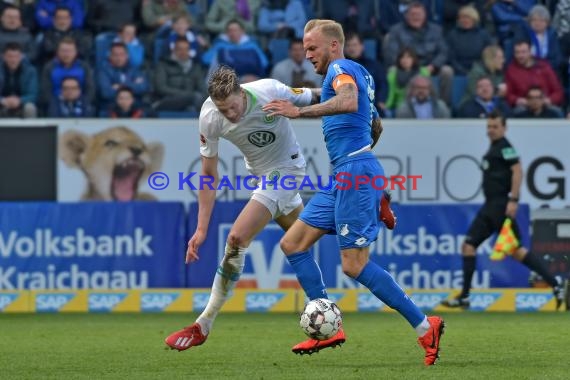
[[66, 64], [508, 15], [182, 27], [128, 35], [237, 50], [544, 42], [18, 84], [116, 73], [45, 10], [71, 103], [484, 102], [282, 18]]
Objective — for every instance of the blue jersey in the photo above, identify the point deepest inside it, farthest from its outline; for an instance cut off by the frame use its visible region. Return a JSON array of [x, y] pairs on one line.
[[349, 132]]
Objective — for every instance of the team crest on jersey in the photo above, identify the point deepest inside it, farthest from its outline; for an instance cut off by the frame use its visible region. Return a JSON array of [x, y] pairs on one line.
[[296, 91], [261, 138], [268, 119], [202, 139], [274, 175]]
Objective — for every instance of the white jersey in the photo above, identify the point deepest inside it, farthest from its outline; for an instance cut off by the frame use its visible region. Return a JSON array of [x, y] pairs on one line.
[[265, 142]]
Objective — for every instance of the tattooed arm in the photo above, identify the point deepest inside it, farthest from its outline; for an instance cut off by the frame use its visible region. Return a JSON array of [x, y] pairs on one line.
[[345, 101]]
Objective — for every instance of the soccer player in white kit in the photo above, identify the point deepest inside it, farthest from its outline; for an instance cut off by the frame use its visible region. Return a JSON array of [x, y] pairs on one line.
[[270, 150]]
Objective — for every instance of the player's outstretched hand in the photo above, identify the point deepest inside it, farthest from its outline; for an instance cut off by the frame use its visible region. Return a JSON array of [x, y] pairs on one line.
[[193, 245], [282, 108]]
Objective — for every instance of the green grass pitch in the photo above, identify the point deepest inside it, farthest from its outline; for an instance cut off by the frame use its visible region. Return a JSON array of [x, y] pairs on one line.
[[257, 346]]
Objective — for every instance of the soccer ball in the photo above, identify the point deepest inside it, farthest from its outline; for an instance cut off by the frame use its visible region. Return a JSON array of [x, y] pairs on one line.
[[321, 319]]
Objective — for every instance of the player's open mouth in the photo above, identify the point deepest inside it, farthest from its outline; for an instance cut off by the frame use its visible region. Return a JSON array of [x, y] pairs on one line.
[[126, 177]]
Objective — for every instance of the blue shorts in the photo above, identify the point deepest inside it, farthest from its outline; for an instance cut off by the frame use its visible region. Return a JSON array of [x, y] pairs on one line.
[[350, 213]]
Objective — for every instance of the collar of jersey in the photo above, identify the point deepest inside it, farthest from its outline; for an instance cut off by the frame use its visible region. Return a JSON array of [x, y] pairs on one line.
[[251, 100]]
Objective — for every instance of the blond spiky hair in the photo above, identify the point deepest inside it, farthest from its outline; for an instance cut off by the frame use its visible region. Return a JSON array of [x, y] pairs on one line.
[[329, 28], [223, 83]]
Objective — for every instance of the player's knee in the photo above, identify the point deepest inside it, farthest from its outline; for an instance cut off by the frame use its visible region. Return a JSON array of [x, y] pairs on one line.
[[287, 246], [352, 268], [236, 240]]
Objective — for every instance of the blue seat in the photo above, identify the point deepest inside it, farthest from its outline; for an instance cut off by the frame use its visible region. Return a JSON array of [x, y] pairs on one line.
[[103, 42], [370, 48], [458, 90], [160, 49], [279, 49]]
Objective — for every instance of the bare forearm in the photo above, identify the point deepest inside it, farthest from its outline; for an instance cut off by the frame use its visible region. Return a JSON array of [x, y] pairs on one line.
[[516, 182], [206, 200], [345, 101]]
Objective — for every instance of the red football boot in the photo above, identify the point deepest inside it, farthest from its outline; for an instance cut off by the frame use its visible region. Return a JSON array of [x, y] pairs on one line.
[[386, 214], [311, 346], [187, 337], [430, 341]]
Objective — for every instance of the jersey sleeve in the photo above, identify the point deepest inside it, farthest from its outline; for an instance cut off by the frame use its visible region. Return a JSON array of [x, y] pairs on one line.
[[208, 126], [509, 154], [296, 95]]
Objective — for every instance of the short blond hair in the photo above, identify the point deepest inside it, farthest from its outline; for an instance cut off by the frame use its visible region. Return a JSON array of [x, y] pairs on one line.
[[223, 83], [470, 12], [329, 28]]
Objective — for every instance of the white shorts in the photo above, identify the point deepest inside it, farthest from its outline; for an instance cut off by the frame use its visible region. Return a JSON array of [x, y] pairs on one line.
[[282, 197]]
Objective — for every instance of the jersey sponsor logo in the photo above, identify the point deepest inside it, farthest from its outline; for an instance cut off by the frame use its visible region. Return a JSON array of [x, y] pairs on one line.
[[105, 302], [369, 302], [200, 300], [157, 301], [6, 300], [296, 91], [51, 303], [343, 230], [261, 138], [268, 119], [509, 153], [428, 300], [482, 301], [262, 301], [531, 301]]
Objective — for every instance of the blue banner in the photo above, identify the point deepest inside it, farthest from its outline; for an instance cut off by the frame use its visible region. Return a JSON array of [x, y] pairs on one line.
[[265, 265], [423, 252], [92, 245]]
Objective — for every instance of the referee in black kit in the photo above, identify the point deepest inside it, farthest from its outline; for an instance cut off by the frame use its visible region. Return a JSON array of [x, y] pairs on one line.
[[502, 177]]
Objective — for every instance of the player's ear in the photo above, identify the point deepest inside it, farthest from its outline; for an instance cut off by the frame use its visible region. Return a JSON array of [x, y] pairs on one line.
[[72, 144]]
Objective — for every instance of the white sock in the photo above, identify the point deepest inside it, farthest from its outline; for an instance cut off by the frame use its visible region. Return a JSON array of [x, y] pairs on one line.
[[225, 281], [423, 327]]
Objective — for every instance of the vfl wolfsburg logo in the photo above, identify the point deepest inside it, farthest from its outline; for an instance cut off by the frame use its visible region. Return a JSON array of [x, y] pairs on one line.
[[268, 119], [274, 175], [261, 138]]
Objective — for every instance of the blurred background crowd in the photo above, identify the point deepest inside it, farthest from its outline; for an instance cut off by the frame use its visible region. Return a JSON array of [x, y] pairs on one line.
[[151, 58]]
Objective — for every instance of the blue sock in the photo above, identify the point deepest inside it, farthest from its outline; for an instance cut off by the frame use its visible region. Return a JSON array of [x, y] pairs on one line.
[[385, 288], [309, 274]]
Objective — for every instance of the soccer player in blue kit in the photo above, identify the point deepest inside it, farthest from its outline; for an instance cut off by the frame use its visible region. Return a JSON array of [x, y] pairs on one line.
[[351, 126]]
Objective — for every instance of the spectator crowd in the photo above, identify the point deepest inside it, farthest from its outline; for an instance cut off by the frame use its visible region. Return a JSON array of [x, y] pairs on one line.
[[151, 58]]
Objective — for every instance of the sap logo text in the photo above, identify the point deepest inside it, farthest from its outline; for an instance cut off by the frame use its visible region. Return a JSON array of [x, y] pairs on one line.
[[157, 301], [105, 302], [50, 303], [262, 301], [369, 302], [199, 301], [428, 300], [336, 297], [531, 301], [482, 301], [7, 299]]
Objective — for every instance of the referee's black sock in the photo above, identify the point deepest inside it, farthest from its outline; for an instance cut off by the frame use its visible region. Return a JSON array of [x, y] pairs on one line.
[[536, 264], [468, 270]]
